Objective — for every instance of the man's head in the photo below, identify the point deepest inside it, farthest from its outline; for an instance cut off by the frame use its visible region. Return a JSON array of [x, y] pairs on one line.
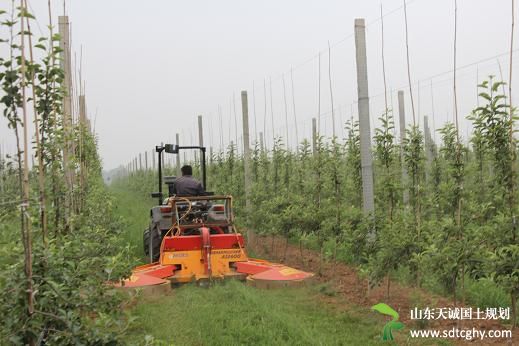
[[187, 170]]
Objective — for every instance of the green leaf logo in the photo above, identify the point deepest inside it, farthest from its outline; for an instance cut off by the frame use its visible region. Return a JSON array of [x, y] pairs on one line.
[[394, 324]]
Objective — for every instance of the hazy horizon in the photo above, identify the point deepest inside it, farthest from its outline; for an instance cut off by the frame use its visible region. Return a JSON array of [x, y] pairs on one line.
[[151, 68]]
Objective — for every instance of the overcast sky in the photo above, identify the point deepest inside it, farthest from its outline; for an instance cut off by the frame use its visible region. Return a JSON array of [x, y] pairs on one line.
[[151, 67]]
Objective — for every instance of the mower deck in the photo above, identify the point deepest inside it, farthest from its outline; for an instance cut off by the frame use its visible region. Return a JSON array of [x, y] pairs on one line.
[[257, 272]]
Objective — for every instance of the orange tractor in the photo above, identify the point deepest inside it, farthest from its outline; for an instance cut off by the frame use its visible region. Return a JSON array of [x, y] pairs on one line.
[[194, 239]]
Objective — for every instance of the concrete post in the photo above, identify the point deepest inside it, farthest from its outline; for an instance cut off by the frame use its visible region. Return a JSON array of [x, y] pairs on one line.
[[401, 115], [65, 64], [140, 161], [261, 142], [146, 159], [246, 148], [364, 123], [314, 136], [152, 159], [82, 111], [200, 132]]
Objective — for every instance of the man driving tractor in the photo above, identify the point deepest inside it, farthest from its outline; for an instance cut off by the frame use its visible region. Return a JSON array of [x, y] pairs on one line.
[[186, 185]]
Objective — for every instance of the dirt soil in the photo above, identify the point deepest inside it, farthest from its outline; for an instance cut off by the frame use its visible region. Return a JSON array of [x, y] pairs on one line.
[[345, 281]]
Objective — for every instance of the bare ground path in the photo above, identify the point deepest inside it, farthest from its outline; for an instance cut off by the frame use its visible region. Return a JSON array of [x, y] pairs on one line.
[[345, 280]]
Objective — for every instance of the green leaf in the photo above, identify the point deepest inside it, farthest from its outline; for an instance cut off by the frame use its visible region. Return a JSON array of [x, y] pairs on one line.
[[396, 325], [386, 310]]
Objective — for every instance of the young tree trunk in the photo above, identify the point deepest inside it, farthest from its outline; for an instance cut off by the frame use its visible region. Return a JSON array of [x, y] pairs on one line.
[[335, 256], [320, 273], [388, 285], [272, 248], [514, 309], [301, 252], [286, 249]]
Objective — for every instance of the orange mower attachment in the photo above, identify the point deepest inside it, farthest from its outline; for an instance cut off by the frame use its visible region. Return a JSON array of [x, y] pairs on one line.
[[204, 257]]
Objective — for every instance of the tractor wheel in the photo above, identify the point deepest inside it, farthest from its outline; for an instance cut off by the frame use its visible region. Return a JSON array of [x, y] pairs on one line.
[[157, 239]]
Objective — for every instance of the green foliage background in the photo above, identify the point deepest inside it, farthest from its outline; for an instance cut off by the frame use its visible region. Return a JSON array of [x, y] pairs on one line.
[[313, 196]]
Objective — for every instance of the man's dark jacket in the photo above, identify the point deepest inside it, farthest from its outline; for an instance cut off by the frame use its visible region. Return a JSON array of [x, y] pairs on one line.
[[186, 185]]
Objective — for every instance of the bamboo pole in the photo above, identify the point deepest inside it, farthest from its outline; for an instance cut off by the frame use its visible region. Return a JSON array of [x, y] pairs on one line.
[[39, 148], [314, 136], [331, 89], [408, 64], [401, 115], [2, 163], [383, 60], [514, 159], [254, 111], [286, 111], [319, 96], [25, 205], [264, 113], [246, 151], [272, 113], [82, 127], [177, 156], [235, 122], [294, 109]]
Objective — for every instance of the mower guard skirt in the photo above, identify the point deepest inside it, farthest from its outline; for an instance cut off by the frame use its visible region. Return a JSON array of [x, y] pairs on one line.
[[259, 272]]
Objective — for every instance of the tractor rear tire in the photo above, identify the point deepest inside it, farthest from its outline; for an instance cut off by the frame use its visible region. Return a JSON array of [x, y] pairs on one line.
[[157, 239]]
